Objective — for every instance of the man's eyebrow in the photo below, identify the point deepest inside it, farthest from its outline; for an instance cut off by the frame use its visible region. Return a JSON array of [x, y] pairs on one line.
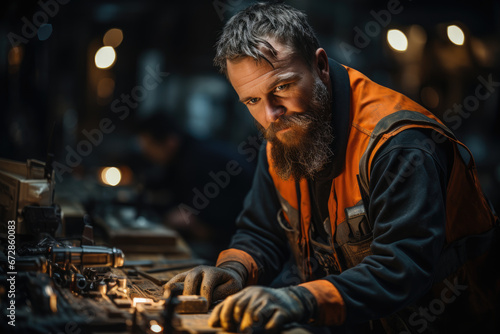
[[283, 77], [245, 99], [279, 78]]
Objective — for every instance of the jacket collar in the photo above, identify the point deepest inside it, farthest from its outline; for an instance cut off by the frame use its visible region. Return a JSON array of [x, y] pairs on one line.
[[341, 90]]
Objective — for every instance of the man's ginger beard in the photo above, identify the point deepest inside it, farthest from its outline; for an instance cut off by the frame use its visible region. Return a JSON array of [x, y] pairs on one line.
[[306, 149]]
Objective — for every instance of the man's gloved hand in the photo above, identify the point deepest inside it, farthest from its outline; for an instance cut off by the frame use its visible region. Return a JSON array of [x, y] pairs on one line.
[[213, 283], [264, 309]]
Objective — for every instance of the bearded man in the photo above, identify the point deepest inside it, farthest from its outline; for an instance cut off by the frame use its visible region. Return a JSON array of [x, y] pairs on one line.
[[370, 197]]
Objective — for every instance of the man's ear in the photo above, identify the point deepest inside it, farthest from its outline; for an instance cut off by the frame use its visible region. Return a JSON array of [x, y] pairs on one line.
[[322, 66]]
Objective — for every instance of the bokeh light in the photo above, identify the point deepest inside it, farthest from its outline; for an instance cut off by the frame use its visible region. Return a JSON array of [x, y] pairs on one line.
[[397, 40], [105, 87], [113, 37], [111, 176], [455, 34], [105, 57]]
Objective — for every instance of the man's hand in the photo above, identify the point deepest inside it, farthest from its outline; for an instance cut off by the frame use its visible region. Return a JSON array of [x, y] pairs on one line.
[[213, 283], [261, 308]]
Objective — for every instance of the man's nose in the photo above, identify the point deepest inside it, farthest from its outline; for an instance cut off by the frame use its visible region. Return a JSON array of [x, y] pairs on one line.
[[274, 111]]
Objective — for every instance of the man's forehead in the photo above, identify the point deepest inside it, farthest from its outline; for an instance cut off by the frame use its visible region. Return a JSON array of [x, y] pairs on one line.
[[283, 56], [246, 71], [247, 68]]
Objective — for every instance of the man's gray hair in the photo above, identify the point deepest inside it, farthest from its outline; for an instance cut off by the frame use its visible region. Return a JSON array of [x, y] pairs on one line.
[[246, 32]]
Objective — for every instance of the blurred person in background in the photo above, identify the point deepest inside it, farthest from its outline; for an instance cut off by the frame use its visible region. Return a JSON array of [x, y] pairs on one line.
[[198, 186]]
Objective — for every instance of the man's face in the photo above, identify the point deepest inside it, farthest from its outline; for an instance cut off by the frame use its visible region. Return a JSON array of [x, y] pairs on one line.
[[270, 93], [291, 105]]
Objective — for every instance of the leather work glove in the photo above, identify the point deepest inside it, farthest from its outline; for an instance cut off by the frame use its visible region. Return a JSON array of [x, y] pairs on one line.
[[213, 283], [264, 309]]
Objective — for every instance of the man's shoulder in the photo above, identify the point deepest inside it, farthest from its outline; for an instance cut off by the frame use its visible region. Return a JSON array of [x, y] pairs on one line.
[[421, 140], [415, 138]]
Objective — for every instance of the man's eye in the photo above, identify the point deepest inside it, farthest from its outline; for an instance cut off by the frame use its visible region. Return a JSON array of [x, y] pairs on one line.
[[281, 88], [252, 101]]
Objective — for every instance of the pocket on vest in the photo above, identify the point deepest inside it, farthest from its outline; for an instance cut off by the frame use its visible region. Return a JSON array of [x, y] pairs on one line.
[[355, 252]]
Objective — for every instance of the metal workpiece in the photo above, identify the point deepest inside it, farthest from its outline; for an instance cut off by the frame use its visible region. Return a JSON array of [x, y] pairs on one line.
[[103, 287], [122, 283], [87, 256], [189, 304], [112, 284]]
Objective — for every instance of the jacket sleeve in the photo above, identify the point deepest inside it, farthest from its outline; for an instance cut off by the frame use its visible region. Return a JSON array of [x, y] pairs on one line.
[[407, 207], [259, 243]]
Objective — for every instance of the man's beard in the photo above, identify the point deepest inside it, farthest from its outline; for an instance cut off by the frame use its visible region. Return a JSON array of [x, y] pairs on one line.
[[306, 147]]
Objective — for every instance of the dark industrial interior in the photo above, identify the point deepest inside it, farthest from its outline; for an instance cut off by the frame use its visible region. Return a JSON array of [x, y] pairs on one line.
[[90, 88]]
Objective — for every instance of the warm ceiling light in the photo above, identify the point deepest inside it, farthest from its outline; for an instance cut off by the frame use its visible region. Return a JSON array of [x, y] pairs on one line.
[[111, 176], [105, 57], [455, 34], [397, 40]]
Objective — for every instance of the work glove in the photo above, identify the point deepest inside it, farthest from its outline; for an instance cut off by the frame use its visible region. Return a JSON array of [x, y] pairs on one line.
[[259, 309], [213, 283]]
